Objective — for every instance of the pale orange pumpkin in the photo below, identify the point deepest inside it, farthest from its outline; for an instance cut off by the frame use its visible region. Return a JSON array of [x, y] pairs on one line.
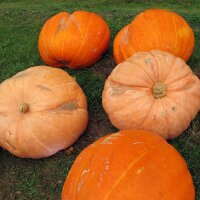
[[153, 91], [129, 165], [155, 29], [42, 110], [74, 40]]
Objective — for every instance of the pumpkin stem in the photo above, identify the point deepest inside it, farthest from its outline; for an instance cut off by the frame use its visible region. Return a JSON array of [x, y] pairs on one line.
[[23, 108], [159, 90]]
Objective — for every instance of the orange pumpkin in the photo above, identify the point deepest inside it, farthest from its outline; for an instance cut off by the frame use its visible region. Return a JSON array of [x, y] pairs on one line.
[[43, 110], [155, 29], [153, 91], [74, 40], [129, 165]]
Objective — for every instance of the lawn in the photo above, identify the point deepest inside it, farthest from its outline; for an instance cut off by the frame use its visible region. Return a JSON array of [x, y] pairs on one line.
[[20, 24]]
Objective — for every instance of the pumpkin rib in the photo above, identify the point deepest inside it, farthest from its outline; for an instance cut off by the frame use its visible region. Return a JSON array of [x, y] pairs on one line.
[[119, 109], [143, 121], [151, 30], [8, 127], [141, 67], [63, 42], [175, 30], [187, 51], [59, 86], [187, 111], [39, 142], [114, 82], [170, 69], [166, 118], [123, 174], [157, 66], [82, 42], [78, 178], [180, 78], [47, 44]]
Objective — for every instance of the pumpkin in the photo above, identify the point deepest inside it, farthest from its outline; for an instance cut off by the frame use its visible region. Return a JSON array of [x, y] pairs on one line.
[[155, 29], [129, 165], [74, 40], [42, 110], [153, 91]]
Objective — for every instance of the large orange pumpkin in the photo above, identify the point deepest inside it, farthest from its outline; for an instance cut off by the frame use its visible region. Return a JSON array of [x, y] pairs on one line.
[[129, 165], [42, 110], [153, 91], [74, 40], [155, 29]]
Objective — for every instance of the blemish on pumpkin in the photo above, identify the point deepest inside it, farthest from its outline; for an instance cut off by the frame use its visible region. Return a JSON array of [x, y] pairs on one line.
[[138, 143], [140, 170], [126, 37], [64, 26], [109, 139], [85, 172], [70, 106], [3, 114], [75, 21], [61, 25], [10, 133], [65, 63], [148, 60], [116, 90], [44, 88], [80, 185], [107, 165], [174, 108], [82, 179]]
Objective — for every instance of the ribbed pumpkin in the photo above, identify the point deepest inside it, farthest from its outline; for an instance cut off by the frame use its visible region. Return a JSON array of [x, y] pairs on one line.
[[155, 29], [74, 40], [129, 165], [153, 91], [42, 110]]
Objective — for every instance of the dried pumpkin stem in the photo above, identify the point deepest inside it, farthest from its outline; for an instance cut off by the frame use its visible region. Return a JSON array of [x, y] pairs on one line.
[[23, 108], [159, 90]]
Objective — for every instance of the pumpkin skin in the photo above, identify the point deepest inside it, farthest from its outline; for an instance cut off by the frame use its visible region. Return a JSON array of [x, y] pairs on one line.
[[74, 40], [129, 165], [43, 110], [155, 29], [153, 91]]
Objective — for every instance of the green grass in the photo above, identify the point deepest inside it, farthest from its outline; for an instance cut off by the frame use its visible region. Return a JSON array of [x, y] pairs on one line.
[[20, 24]]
